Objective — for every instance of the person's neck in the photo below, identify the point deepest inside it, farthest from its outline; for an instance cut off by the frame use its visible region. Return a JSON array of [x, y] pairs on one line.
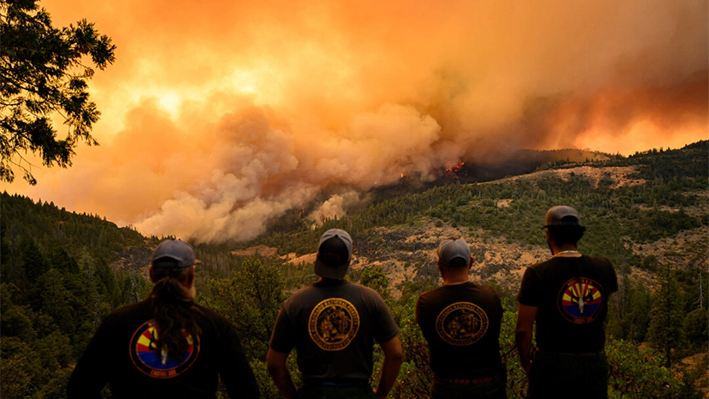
[[323, 279], [566, 250], [456, 280], [192, 292]]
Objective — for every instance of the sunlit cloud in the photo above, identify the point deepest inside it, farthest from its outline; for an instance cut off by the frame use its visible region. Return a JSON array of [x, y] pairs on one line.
[[219, 116]]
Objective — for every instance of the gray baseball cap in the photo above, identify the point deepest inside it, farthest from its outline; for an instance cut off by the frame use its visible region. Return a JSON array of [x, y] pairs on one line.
[[452, 248], [562, 215], [177, 250], [334, 254]]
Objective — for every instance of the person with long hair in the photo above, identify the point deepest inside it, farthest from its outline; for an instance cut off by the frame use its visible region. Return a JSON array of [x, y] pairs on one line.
[[165, 345]]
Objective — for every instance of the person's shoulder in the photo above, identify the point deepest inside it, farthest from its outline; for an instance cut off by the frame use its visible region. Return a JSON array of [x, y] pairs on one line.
[[428, 295], [126, 315], [355, 290], [605, 268], [544, 263], [599, 261], [539, 267], [488, 289], [300, 293], [360, 288], [208, 312], [128, 310], [210, 317], [295, 300]]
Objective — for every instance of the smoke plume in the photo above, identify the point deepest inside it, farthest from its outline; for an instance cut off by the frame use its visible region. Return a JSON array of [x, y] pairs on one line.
[[219, 116]]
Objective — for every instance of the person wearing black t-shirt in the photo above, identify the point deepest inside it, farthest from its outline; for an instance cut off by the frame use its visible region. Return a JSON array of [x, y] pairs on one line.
[[461, 323], [165, 346], [566, 297], [333, 325]]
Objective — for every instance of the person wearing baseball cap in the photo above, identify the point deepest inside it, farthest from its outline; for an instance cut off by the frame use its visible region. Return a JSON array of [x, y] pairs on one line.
[[333, 325], [165, 345], [566, 297], [461, 323]]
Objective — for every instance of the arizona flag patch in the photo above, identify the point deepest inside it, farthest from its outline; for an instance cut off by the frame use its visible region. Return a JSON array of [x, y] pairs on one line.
[[149, 361], [581, 300]]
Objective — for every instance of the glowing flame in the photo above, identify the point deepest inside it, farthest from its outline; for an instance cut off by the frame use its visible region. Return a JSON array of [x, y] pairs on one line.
[[454, 168]]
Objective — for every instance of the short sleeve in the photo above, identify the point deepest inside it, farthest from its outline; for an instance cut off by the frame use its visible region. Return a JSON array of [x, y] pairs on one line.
[[529, 289], [419, 307], [283, 338], [234, 368], [92, 371], [612, 278], [498, 301], [385, 327]]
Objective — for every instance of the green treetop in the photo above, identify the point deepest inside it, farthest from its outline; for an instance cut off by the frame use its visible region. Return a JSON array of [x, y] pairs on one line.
[[43, 73]]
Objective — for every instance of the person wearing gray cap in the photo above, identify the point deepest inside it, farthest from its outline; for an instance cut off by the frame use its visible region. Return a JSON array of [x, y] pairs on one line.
[[566, 297], [461, 323], [165, 346], [333, 324]]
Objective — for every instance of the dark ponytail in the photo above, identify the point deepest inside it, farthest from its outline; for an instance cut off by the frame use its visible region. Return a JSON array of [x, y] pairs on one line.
[[173, 309]]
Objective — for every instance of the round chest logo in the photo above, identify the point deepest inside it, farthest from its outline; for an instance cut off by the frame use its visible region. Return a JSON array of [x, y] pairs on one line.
[[580, 300], [149, 361], [462, 323], [333, 324]]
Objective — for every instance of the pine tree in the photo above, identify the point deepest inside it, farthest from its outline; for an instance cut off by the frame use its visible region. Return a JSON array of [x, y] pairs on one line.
[[666, 321], [44, 73]]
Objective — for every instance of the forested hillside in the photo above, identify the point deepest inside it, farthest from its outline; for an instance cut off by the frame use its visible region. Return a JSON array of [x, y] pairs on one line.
[[63, 272], [647, 213], [57, 285]]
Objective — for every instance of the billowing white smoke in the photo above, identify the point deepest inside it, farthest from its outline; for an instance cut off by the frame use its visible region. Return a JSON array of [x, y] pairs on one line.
[[258, 171], [335, 208]]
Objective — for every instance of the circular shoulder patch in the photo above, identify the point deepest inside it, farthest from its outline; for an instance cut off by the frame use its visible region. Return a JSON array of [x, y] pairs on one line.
[[580, 300], [146, 358], [333, 324], [462, 323]]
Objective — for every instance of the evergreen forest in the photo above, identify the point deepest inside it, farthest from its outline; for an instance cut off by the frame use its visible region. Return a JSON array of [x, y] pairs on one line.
[[61, 272]]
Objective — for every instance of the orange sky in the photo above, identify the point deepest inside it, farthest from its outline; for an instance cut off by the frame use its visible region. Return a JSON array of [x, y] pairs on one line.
[[218, 115]]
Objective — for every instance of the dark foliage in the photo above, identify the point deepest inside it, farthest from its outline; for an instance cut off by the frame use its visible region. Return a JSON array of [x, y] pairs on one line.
[[63, 272], [57, 286], [42, 73]]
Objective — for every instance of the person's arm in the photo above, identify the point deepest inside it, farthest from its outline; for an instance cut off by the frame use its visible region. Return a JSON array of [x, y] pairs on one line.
[[88, 379], [234, 369], [523, 334], [91, 372], [277, 368], [281, 344], [393, 357]]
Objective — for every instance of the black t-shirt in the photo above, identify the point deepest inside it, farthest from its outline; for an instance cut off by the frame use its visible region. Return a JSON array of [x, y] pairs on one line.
[[333, 324], [462, 326], [571, 294], [122, 354]]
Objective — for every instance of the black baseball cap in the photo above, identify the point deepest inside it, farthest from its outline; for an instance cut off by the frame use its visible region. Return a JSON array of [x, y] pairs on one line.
[[334, 254]]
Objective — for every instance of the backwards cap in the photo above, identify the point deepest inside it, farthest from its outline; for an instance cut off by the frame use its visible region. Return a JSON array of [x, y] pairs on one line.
[[334, 254], [562, 216], [177, 250], [453, 248]]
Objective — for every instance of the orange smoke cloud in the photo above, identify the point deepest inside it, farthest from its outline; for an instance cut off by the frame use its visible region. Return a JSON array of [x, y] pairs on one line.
[[218, 116]]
